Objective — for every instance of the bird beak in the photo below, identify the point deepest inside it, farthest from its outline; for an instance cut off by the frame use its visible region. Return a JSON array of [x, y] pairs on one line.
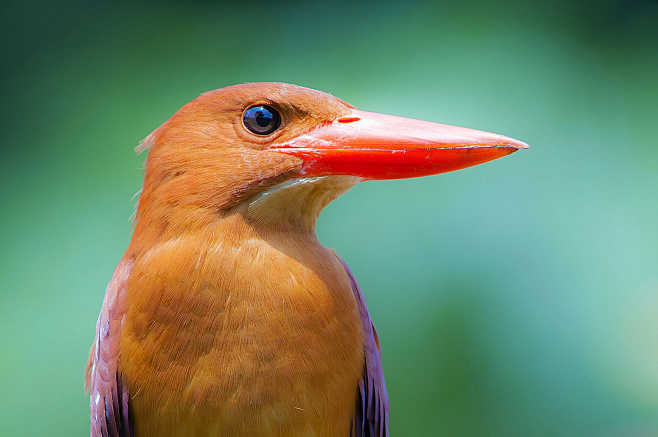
[[378, 146]]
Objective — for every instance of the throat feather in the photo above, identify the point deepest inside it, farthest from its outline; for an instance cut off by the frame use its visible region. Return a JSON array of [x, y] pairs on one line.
[[297, 203]]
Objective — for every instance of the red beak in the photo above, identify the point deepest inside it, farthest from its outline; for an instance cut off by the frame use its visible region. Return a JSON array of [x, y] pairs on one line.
[[378, 146]]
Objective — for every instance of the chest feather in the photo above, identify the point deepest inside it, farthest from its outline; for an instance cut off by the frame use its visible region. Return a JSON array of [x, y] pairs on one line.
[[255, 338]]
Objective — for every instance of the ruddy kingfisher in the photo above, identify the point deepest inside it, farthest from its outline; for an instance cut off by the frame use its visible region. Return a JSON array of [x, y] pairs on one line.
[[226, 316]]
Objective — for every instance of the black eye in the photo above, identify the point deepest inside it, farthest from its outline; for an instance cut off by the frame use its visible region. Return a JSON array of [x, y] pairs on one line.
[[261, 119]]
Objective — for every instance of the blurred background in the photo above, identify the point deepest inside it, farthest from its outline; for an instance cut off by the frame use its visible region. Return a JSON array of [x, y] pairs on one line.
[[519, 297]]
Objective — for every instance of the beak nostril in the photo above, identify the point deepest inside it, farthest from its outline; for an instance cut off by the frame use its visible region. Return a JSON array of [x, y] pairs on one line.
[[348, 119]]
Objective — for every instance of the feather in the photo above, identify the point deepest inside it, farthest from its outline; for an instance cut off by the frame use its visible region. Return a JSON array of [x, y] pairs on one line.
[[372, 406], [109, 398]]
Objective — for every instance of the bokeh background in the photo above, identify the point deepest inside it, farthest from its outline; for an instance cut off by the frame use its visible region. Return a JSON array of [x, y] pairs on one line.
[[517, 298]]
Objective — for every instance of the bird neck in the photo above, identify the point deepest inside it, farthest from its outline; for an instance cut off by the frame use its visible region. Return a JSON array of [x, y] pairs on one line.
[[289, 209]]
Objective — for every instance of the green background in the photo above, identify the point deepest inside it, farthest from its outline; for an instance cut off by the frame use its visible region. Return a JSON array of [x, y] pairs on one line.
[[519, 297]]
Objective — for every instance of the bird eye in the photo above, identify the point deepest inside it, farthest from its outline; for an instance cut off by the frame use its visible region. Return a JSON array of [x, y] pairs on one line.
[[261, 119]]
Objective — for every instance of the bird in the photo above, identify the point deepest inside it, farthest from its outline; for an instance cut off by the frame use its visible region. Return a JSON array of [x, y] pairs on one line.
[[226, 316]]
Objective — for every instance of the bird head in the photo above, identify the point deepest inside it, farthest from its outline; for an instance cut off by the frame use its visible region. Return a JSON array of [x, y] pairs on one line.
[[278, 153]]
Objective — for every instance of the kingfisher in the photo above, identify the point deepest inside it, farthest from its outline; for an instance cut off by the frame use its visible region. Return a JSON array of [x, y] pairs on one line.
[[226, 316]]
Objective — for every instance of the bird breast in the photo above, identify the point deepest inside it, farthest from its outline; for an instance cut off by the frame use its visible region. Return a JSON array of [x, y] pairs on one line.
[[234, 331]]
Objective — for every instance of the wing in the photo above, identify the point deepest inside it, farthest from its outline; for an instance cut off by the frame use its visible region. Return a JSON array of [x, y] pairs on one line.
[[371, 414], [108, 396]]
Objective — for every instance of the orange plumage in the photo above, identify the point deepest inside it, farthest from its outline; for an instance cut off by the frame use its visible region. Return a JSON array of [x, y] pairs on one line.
[[226, 316]]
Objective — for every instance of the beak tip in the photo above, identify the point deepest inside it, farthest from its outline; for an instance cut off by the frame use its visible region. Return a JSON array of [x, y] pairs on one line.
[[518, 145]]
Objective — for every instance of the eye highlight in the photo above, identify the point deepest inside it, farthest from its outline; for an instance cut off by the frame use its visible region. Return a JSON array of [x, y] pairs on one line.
[[261, 119]]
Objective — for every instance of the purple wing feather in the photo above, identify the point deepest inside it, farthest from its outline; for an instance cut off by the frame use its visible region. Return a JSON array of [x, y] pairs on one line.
[[109, 398], [371, 415]]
